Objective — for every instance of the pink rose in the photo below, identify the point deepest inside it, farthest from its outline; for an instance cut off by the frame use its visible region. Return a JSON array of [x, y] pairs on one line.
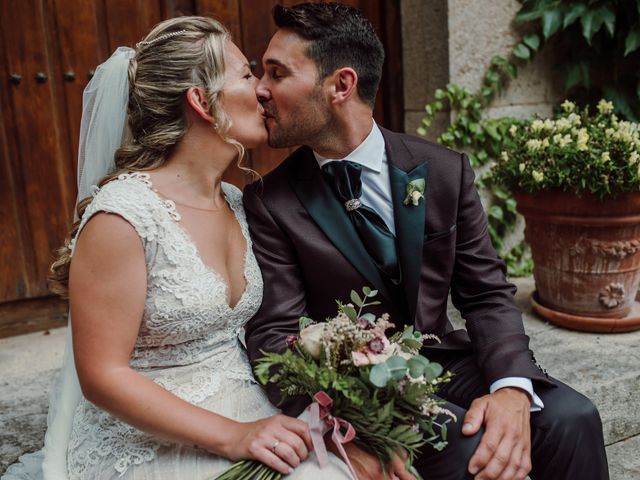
[[360, 359]]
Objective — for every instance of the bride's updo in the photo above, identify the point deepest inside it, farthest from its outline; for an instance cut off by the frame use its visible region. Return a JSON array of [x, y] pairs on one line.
[[177, 54]]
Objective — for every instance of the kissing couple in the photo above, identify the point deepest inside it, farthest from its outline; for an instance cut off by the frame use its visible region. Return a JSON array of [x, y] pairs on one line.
[[166, 266]]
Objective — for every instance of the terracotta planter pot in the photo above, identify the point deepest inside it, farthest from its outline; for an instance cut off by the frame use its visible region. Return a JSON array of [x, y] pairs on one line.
[[587, 258]]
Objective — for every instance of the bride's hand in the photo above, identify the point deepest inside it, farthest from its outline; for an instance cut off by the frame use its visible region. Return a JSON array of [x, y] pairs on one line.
[[281, 442]]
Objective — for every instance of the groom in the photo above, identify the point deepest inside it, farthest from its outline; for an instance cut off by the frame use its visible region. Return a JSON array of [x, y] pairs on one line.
[[358, 205]]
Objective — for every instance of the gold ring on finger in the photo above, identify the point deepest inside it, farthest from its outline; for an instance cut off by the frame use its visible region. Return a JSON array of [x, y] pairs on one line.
[[275, 444]]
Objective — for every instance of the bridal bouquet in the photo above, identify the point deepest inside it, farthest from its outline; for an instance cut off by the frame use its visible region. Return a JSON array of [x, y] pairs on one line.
[[374, 390]]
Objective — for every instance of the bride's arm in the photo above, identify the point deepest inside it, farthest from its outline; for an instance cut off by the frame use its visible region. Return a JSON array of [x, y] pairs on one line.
[[107, 288]]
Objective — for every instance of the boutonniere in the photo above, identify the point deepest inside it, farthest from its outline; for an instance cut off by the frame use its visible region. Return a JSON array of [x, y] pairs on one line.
[[415, 192]]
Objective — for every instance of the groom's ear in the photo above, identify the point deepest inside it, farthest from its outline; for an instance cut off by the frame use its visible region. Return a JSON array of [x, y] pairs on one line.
[[198, 103], [344, 83]]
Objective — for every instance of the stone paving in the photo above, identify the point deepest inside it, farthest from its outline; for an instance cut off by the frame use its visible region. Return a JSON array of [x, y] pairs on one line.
[[605, 367]]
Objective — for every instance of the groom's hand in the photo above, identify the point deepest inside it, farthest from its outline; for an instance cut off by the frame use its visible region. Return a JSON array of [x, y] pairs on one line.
[[504, 452], [368, 467]]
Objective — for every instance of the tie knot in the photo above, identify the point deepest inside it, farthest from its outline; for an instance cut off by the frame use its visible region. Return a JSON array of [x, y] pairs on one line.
[[344, 178]]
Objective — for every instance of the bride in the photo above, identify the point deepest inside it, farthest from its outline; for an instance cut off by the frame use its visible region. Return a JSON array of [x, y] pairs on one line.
[[161, 277]]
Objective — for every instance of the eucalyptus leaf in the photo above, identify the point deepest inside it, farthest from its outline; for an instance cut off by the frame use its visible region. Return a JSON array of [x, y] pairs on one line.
[[432, 371], [350, 312], [380, 375], [416, 365], [369, 317], [397, 367], [366, 291], [355, 298]]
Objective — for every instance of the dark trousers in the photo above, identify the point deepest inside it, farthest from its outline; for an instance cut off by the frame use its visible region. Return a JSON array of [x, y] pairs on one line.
[[567, 441]]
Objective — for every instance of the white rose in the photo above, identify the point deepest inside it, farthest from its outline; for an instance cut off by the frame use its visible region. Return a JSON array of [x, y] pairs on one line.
[[311, 339], [415, 197]]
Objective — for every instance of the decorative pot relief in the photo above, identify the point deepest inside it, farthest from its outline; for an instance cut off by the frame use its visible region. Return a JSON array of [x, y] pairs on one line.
[[612, 295], [618, 249]]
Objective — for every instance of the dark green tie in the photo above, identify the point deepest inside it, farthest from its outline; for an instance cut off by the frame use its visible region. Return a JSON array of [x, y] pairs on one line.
[[344, 178]]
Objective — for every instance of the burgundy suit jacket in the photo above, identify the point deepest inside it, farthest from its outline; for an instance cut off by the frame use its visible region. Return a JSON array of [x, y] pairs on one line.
[[310, 255]]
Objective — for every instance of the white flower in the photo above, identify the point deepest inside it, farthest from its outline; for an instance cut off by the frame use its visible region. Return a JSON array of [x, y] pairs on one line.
[[533, 145], [549, 124], [504, 156], [537, 176], [568, 106], [633, 158], [415, 197], [545, 143], [605, 157], [521, 167], [583, 139], [563, 124], [605, 107], [609, 132], [311, 339], [537, 125], [513, 129], [574, 119], [562, 140]]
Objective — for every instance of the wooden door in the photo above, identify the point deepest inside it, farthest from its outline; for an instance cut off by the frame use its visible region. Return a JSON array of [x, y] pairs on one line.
[[48, 52]]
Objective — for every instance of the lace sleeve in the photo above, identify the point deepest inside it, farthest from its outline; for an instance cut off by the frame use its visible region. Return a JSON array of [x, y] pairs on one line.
[[130, 198]]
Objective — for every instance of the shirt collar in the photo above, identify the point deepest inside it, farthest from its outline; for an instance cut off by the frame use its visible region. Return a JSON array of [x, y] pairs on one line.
[[369, 153]]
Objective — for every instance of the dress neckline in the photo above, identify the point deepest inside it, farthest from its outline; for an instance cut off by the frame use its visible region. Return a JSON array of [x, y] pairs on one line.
[[170, 207]]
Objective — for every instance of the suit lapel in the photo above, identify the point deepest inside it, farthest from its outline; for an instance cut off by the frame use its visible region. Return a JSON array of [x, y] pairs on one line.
[[327, 212], [409, 219]]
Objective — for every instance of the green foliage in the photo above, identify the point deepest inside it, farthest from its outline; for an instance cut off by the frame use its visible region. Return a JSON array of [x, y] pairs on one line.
[[601, 43], [483, 140], [577, 151]]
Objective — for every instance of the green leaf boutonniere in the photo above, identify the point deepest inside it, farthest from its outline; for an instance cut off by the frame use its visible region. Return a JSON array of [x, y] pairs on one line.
[[415, 192]]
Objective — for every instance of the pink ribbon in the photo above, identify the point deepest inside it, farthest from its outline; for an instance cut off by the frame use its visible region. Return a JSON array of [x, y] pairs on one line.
[[320, 422]]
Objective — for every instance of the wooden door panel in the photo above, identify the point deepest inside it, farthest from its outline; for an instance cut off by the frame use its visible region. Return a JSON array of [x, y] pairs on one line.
[[128, 21], [42, 146], [177, 8], [16, 260], [13, 264], [81, 50], [225, 11]]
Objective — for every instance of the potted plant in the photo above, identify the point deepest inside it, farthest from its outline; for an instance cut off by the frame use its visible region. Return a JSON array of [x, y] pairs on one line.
[[576, 180]]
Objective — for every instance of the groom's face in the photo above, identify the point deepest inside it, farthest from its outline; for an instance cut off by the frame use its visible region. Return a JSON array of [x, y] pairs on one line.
[[296, 105]]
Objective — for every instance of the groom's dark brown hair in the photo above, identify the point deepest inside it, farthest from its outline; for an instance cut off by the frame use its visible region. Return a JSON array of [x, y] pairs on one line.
[[339, 36]]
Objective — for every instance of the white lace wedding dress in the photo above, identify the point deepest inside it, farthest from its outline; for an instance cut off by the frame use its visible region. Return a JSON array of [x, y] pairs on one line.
[[188, 343]]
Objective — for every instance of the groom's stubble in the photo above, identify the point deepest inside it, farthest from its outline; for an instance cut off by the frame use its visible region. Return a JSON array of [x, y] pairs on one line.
[[310, 123]]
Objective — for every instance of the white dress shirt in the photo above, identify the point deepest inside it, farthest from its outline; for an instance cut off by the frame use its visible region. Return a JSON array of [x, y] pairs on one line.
[[376, 194]]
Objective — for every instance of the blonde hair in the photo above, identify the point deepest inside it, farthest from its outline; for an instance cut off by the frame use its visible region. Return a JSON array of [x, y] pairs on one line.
[[176, 55]]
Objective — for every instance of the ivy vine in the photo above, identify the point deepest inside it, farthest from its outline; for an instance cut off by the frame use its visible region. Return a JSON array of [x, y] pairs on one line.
[[483, 140]]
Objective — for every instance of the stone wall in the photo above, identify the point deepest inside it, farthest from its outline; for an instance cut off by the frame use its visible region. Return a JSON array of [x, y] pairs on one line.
[[454, 41]]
